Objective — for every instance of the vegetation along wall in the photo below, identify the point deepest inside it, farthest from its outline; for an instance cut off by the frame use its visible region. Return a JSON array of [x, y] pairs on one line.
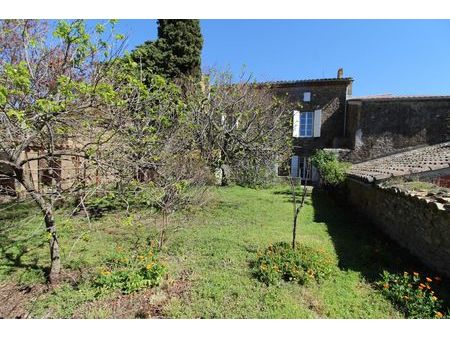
[[420, 224]]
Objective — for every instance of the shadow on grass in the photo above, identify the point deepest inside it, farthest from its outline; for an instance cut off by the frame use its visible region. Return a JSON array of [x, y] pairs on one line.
[[13, 252], [361, 247], [15, 248], [288, 194]]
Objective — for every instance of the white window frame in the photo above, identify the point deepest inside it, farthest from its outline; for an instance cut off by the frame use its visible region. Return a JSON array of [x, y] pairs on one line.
[[307, 97], [313, 120], [308, 121]]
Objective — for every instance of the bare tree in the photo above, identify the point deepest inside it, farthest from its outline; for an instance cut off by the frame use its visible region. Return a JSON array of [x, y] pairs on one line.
[[239, 126]]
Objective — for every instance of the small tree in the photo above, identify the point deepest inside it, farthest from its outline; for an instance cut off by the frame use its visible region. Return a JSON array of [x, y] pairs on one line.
[[55, 97], [154, 144], [298, 205], [332, 171]]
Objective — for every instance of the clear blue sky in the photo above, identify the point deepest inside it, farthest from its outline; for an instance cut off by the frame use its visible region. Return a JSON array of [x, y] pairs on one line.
[[383, 56]]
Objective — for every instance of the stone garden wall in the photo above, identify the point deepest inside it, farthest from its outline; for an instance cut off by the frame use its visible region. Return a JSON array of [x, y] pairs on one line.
[[419, 223], [382, 126]]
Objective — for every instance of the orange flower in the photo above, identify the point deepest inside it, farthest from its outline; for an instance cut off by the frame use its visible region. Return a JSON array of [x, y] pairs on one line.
[[386, 286], [439, 314], [416, 274], [428, 279], [437, 279], [421, 286]]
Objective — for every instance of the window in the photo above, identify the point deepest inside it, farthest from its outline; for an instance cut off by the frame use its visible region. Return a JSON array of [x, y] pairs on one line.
[[306, 124], [283, 168], [304, 171], [299, 167], [306, 96], [49, 171]]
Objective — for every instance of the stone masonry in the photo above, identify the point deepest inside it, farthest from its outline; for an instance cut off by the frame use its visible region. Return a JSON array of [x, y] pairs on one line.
[[382, 125], [330, 96], [418, 223]]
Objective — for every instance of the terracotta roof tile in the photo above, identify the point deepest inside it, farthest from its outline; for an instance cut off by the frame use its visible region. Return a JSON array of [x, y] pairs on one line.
[[419, 160]]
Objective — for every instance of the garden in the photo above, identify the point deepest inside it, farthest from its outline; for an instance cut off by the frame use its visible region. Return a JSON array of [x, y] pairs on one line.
[[231, 258], [134, 186]]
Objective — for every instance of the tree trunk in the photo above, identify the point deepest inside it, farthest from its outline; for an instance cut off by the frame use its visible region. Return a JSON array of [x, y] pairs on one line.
[[55, 265], [294, 228], [224, 182], [50, 226], [298, 208]]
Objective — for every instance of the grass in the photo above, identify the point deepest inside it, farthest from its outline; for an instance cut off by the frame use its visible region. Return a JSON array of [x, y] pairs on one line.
[[416, 185], [208, 254], [218, 250]]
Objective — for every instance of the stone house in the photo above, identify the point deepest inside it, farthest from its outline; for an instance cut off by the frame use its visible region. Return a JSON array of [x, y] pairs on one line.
[[358, 128], [64, 171], [320, 120]]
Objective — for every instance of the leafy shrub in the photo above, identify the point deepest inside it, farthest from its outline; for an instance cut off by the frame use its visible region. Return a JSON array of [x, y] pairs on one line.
[[178, 195], [255, 176], [130, 272], [411, 295], [302, 265], [135, 194], [331, 170]]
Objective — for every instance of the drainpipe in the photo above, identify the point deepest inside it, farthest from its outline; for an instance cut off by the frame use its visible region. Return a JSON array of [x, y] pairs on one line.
[[345, 114]]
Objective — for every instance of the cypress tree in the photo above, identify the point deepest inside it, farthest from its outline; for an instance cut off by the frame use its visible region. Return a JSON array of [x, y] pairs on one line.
[[176, 53]]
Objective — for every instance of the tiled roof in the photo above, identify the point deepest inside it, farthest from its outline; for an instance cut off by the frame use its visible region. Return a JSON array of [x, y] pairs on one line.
[[387, 97], [419, 160], [302, 82]]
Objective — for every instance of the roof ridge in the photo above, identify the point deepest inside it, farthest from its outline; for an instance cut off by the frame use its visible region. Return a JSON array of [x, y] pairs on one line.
[[344, 79]]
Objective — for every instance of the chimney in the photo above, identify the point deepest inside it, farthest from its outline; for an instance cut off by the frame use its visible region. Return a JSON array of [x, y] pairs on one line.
[[340, 73]]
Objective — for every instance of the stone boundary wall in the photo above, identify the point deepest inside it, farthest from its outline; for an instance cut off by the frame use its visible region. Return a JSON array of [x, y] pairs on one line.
[[383, 126], [420, 224]]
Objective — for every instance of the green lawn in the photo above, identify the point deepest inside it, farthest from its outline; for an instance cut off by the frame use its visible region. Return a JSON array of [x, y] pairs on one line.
[[208, 253]]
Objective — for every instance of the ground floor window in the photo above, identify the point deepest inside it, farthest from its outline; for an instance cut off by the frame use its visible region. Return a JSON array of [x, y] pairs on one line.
[[300, 167]]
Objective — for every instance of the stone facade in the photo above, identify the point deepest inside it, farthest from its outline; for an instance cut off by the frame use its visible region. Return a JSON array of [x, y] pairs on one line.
[[64, 172], [366, 128], [328, 95], [421, 224], [378, 126]]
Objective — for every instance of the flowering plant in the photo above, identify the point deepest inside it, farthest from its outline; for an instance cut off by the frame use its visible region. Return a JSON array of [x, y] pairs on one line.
[[302, 264], [130, 272], [412, 294]]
